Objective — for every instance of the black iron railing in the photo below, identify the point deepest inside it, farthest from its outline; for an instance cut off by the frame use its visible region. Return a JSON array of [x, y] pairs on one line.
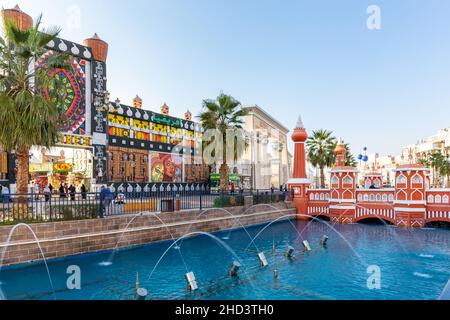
[[38, 208]]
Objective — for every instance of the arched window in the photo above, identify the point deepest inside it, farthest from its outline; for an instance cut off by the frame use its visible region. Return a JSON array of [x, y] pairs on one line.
[[311, 196], [445, 199], [377, 183], [367, 184], [401, 179], [385, 197], [317, 196], [348, 180], [438, 199], [416, 180], [322, 196], [366, 197], [391, 198], [335, 181], [378, 197], [360, 197], [327, 196], [372, 197], [430, 199]]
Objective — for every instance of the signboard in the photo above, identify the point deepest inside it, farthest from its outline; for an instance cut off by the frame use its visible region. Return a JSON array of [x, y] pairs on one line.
[[166, 167]]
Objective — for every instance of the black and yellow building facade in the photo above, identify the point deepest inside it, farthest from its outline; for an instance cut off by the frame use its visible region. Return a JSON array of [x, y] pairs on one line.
[[132, 149]]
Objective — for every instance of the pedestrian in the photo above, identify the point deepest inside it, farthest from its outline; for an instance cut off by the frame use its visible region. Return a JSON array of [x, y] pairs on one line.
[[1, 194], [36, 191], [105, 200], [51, 188], [5, 192], [62, 193], [83, 191], [272, 189], [232, 187], [72, 192], [47, 193]]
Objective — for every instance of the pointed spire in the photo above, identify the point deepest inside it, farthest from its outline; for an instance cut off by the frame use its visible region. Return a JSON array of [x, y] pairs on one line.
[[299, 123]]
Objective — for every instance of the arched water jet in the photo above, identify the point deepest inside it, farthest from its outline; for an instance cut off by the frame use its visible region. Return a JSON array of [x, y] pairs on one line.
[[303, 215], [8, 240], [229, 213], [223, 244], [257, 205], [345, 211], [142, 214]]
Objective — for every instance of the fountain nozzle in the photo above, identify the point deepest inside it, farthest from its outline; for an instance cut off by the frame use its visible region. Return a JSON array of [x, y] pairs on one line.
[[323, 241], [289, 252], [306, 245], [262, 259], [234, 269], [191, 281]]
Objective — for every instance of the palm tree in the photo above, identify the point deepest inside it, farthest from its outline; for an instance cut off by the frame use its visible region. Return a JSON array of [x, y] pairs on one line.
[[349, 157], [27, 117], [436, 161], [444, 170], [223, 114], [321, 151]]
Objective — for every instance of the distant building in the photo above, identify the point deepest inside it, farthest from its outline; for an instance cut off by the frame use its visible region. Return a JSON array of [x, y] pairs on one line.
[[266, 160], [424, 147]]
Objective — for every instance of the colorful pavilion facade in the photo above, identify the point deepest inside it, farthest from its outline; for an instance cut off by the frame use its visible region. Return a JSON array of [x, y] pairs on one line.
[[132, 149], [411, 203]]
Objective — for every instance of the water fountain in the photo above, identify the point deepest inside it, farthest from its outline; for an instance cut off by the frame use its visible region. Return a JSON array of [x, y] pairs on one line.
[[6, 245]]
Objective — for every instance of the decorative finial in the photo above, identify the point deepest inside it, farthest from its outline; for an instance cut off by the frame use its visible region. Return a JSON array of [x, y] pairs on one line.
[[299, 123]]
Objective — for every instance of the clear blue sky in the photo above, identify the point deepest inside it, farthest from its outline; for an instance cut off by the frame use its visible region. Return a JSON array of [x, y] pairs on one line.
[[383, 89]]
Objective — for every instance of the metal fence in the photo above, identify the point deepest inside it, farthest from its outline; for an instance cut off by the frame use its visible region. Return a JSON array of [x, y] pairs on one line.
[[37, 208]]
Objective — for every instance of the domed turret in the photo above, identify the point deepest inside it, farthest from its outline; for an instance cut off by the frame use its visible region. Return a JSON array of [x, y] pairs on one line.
[[137, 102], [340, 152], [299, 134], [22, 20], [165, 109], [98, 46], [188, 116]]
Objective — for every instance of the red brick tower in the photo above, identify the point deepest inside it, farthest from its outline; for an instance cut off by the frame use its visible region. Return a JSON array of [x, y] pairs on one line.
[[299, 182], [22, 20], [411, 182], [343, 181], [98, 46]]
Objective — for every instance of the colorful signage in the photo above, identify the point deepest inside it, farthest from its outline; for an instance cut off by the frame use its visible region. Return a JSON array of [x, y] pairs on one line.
[[74, 140], [62, 167], [166, 167]]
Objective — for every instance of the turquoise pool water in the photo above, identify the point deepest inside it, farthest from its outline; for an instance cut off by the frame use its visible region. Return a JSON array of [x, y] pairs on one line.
[[414, 264]]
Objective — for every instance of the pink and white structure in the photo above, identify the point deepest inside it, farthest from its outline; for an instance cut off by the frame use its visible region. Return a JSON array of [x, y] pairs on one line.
[[411, 203]]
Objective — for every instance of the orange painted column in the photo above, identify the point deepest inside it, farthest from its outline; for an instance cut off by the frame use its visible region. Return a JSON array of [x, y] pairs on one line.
[[299, 183]]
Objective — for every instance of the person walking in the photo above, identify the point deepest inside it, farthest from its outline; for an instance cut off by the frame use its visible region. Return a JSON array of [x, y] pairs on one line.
[[232, 188], [62, 193], [5, 192], [83, 191], [36, 191], [47, 193], [72, 192], [51, 188], [105, 200]]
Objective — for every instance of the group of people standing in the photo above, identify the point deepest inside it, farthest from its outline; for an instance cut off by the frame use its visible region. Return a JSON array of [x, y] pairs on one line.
[[64, 191]]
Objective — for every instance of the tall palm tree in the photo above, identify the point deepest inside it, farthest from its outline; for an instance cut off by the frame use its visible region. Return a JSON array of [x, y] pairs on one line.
[[223, 113], [436, 161], [321, 151], [27, 117], [444, 170]]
